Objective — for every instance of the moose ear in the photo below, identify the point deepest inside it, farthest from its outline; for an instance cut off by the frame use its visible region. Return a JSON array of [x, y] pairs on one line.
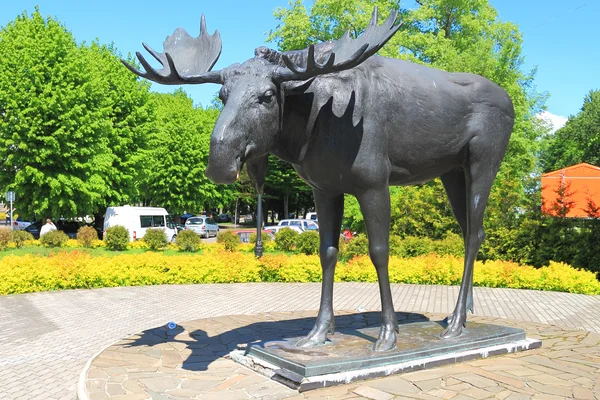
[[292, 88], [257, 169]]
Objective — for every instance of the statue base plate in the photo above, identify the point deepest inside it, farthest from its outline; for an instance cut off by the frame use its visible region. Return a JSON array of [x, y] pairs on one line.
[[348, 355]]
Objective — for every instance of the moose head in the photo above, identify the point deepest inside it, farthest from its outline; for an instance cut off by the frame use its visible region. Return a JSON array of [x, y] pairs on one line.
[[254, 92]]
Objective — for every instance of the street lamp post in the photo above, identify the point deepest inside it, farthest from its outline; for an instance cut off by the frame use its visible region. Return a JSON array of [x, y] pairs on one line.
[[258, 249]]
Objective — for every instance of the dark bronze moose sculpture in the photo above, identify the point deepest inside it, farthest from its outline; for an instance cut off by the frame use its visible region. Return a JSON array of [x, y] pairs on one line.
[[352, 122]]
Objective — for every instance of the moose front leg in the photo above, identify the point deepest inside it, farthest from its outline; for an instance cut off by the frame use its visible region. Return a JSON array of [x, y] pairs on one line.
[[375, 207], [329, 211]]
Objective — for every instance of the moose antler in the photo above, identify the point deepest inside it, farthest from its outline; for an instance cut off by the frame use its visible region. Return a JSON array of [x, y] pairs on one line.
[[347, 51], [185, 59]]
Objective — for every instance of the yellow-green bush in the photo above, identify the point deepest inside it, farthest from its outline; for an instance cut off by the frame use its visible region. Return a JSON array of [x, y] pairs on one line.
[[54, 239], [5, 237], [229, 239], [20, 238], [78, 269], [86, 235]]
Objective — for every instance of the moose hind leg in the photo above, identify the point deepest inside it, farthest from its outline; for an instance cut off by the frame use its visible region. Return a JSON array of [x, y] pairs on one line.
[[329, 211], [479, 174], [455, 184], [375, 206]]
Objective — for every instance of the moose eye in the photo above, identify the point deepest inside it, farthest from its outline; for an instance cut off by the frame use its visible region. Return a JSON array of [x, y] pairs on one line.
[[266, 97]]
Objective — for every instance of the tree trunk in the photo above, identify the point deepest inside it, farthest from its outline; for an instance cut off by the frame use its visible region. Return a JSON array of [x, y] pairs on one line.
[[286, 213]]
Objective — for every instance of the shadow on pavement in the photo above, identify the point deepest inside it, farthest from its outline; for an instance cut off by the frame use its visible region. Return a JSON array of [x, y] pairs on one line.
[[206, 349]]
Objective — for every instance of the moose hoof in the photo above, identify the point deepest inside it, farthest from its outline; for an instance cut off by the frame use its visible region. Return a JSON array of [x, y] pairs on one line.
[[452, 330], [386, 340], [312, 340]]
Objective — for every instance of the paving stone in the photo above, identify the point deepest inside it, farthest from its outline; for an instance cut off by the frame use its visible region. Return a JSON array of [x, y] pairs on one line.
[[477, 393], [583, 393], [551, 389], [161, 384], [476, 380], [546, 397], [442, 393], [395, 385], [372, 393], [428, 385], [114, 389]]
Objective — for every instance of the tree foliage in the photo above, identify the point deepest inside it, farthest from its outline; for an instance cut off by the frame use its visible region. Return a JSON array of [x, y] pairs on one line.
[[70, 120], [578, 141], [178, 155]]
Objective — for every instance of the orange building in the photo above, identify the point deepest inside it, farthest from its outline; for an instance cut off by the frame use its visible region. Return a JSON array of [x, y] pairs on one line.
[[579, 185]]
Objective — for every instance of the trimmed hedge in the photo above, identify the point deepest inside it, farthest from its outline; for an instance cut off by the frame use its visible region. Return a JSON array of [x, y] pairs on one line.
[[116, 238], [54, 239], [77, 269]]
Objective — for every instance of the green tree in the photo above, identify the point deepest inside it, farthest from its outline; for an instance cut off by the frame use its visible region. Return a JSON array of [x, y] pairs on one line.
[[578, 141], [174, 177], [52, 112], [132, 118], [71, 118]]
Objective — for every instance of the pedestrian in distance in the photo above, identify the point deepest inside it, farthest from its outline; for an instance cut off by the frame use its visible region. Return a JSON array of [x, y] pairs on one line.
[[47, 227]]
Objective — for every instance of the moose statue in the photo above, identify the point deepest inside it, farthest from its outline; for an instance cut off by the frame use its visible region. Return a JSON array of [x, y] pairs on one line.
[[352, 122]]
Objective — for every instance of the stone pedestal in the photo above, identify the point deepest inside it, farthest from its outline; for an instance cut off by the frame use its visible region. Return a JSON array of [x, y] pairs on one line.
[[348, 357]]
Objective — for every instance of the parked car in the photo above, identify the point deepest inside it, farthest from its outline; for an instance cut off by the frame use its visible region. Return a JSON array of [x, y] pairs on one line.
[[203, 226], [244, 234], [312, 216], [20, 223], [304, 224], [138, 219], [34, 228], [68, 227], [223, 218], [274, 229]]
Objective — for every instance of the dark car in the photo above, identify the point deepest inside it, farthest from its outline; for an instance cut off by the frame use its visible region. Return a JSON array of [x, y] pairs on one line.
[[34, 229], [223, 218], [68, 227]]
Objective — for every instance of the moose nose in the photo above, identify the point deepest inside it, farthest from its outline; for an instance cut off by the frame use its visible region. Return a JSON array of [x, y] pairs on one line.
[[221, 175]]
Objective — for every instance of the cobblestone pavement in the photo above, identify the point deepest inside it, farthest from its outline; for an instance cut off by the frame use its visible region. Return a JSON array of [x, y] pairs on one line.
[[46, 338], [190, 362]]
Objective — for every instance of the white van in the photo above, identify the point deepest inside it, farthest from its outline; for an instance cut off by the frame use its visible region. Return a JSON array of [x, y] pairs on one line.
[[138, 219]]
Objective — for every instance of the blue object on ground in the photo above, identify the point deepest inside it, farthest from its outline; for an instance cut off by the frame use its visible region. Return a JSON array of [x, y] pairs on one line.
[[171, 325]]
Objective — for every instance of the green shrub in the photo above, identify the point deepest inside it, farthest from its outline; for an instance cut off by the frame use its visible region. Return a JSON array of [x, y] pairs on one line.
[[5, 236], [413, 246], [116, 238], [229, 239], [54, 239], [285, 239], [20, 237], [188, 240], [395, 245], [451, 245], [155, 238], [357, 246], [86, 235], [265, 238], [308, 243]]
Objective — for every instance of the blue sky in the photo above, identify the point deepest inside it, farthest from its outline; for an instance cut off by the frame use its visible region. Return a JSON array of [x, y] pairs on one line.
[[560, 37]]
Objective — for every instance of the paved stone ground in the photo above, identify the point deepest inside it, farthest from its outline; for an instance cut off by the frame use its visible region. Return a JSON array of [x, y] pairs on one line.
[[46, 338], [190, 363]]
